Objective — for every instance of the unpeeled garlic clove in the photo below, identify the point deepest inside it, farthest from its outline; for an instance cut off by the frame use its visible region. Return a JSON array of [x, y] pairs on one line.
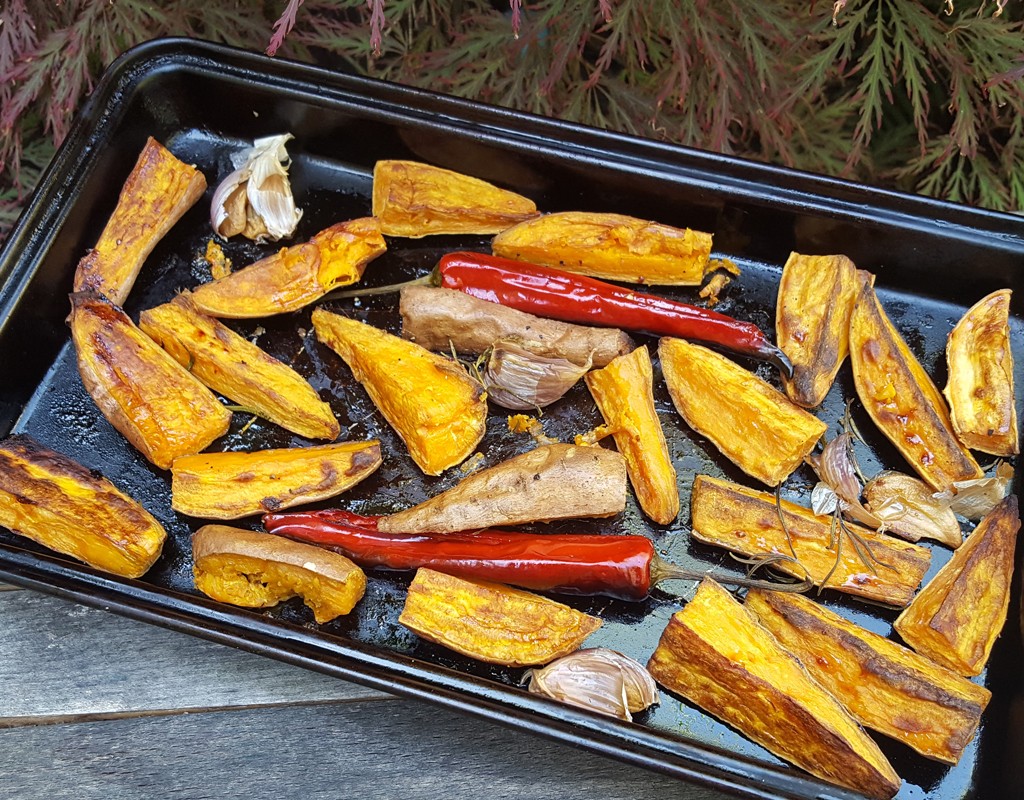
[[907, 507], [519, 380], [976, 498]]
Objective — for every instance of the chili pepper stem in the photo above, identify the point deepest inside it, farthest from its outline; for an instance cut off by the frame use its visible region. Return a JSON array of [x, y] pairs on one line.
[[662, 570], [432, 278], [774, 356]]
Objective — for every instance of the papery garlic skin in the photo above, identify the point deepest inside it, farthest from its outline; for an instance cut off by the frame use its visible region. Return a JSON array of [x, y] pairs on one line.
[[520, 380], [974, 499]]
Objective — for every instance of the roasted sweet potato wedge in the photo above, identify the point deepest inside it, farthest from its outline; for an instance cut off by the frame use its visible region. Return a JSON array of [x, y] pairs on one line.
[[60, 504], [624, 393], [753, 424], [980, 385], [412, 199], [875, 567], [956, 617], [233, 485], [236, 368], [158, 405], [259, 570], [885, 686], [610, 246], [902, 399], [812, 322], [294, 277], [716, 655], [492, 622], [432, 403], [157, 193]]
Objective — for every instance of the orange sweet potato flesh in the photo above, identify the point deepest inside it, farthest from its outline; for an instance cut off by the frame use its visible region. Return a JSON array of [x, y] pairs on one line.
[[413, 200], [610, 246], [55, 501], [430, 401], [157, 193], [885, 686], [624, 394], [715, 654], [160, 407], [956, 617], [747, 521], [236, 368], [491, 622], [296, 276]]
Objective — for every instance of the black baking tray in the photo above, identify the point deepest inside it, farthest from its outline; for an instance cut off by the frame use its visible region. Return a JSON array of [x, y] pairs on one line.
[[932, 259]]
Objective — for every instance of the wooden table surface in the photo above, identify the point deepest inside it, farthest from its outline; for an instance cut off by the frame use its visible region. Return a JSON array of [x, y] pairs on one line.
[[94, 705]]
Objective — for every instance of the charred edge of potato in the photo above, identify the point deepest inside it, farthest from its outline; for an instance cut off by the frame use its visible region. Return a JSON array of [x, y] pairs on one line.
[[492, 622], [55, 501], [259, 570]]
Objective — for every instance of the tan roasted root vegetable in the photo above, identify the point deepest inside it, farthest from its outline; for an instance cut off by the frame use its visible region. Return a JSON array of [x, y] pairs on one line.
[[413, 199], [902, 399], [885, 686], [236, 368], [232, 485], [492, 622], [157, 193], [846, 558], [296, 276], [430, 401], [556, 481], [753, 424], [908, 508], [812, 322], [956, 617], [610, 246], [980, 384], [259, 570], [440, 319], [624, 394], [158, 405], [55, 501], [715, 654]]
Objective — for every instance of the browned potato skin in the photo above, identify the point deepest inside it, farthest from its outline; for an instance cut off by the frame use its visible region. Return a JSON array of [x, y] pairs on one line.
[[232, 485], [980, 385], [556, 481], [413, 200], [236, 368], [162, 409], [902, 399], [157, 193], [956, 617], [885, 686], [259, 570], [746, 521], [55, 501], [492, 622], [439, 319], [812, 322], [715, 654]]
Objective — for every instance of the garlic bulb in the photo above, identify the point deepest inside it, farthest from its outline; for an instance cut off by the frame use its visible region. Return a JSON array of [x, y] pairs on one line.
[[256, 199], [599, 679], [908, 508], [517, 379]]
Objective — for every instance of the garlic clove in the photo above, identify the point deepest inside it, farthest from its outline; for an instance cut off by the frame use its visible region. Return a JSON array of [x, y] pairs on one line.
[[907, 507], [520, 380], [976, 498]]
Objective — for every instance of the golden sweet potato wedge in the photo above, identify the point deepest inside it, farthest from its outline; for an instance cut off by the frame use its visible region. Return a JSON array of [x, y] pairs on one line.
[[236, 368], [753, 424], [980, 385], [294, 277], [956, 617], [812, 322], [60, 504], [746, 521], [885, 686], [430, 401], [610, 246], [492, 622], [902, 399], [715, 654], [161, 408], [260, 570], [624, 394], [157, 193], [412, 199], [232, 485]]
